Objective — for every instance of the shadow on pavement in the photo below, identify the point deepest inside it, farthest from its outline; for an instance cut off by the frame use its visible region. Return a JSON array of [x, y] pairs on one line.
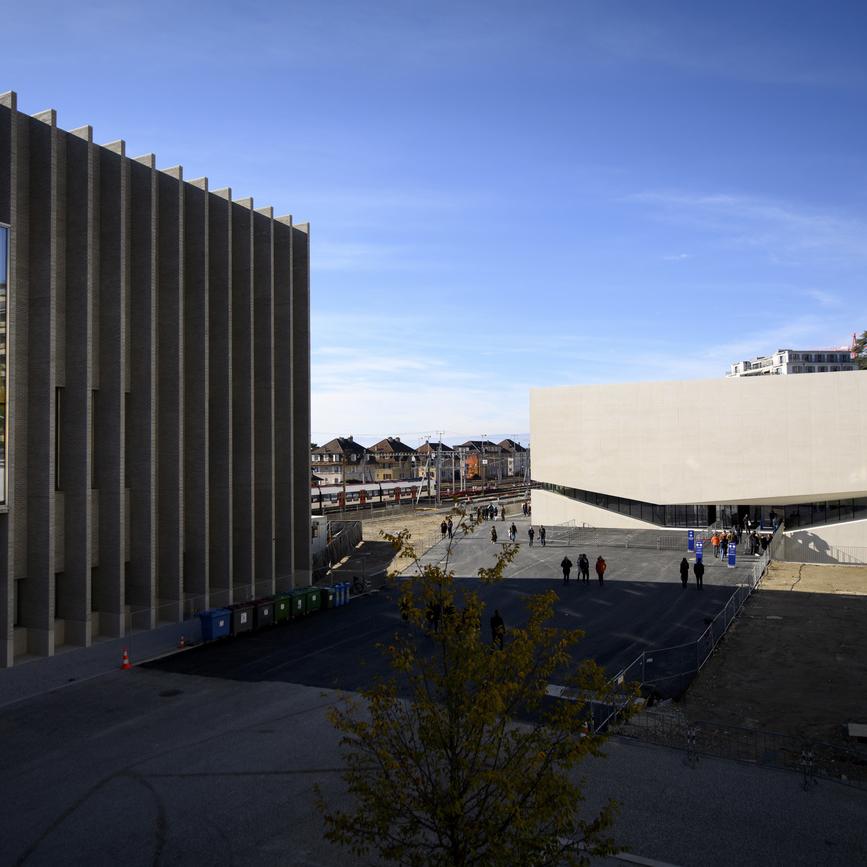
[[339, 648]]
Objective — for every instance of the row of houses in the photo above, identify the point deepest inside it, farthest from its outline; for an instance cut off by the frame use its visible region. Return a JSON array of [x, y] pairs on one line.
[[343, 460]]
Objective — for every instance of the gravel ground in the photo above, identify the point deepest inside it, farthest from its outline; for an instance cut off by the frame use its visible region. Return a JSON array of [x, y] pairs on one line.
[[795, 662]]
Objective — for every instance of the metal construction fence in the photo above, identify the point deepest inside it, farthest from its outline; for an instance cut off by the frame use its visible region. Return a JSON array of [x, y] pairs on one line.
[[814, 551], [667, 671], [812, 759], [345, 535]]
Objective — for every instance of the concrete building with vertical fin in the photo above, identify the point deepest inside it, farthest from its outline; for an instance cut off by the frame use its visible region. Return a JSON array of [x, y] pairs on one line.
[[155, 392]]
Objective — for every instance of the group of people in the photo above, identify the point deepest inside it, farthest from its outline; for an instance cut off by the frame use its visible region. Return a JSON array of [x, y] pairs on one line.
[[525, 508], [698, 571], [583, 568], [447, 528], [531, 534], [490, 512], [755, 541]]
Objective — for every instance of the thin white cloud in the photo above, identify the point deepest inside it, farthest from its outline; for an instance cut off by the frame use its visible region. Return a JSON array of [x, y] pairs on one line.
[[823, 298], [784, 231], [677, 257]]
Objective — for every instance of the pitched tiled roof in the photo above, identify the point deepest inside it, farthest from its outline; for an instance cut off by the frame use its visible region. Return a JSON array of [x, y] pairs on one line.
[[392, 445], [340, 445], [432, 448], [476, 445], [512, 446]]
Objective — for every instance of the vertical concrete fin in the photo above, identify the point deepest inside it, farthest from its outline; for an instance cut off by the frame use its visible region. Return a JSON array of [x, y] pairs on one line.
[[220, 390], [9, 99], [46, 250], [116, 147], [149, 160], [77, 483], [112, 596], [48, 116], [263, 397], [196, 408], [170, 394], [283, 408], [243, 519], [142, 411], [301, 553], [85, 132]]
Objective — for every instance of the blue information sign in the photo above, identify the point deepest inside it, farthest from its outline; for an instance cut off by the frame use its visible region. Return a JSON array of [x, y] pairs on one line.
[[733, 553], [699, 545], [690, 540]]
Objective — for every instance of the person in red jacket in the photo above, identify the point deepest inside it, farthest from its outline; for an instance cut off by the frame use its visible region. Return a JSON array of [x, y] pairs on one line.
[[601, 566]]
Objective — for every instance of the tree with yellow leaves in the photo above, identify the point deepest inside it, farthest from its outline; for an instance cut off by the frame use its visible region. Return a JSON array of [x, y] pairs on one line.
[[458, 758]]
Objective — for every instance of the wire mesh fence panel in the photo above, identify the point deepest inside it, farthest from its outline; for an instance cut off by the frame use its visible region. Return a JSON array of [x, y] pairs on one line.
[[560, 535], [816, 552], [668, 662]]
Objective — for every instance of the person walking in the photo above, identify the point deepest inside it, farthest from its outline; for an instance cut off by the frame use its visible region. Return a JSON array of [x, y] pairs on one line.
[[684, 572], [498, 629], [714, 540], [531, 533], [494, 535], [450, 527], [601, 566], [566, 566], [542, 534], [444, 528], [584, 567], [698, 570]]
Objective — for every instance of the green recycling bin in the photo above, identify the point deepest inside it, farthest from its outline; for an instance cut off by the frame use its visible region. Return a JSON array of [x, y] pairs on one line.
[[282, 607], [314, 599], [299, 604]]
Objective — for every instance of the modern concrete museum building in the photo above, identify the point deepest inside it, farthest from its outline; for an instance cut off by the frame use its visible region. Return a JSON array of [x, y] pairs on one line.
[[154, 386], [685, 454]]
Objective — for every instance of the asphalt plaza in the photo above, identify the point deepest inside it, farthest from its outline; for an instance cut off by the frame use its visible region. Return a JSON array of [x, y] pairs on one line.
[[162, 766], [640, 606]]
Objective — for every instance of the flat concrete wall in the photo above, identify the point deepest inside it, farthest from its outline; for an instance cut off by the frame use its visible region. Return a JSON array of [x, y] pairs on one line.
[[158, 392], [829, 543], [774, 439]]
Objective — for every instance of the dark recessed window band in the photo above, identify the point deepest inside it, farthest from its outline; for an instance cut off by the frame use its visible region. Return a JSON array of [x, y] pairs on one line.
[[691, 515]]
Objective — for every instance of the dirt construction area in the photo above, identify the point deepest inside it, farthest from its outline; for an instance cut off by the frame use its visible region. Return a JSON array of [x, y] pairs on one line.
[[795, 660]]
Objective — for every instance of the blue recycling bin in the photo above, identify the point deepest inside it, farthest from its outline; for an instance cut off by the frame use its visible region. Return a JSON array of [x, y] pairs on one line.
[[216, 623], [346, 586]]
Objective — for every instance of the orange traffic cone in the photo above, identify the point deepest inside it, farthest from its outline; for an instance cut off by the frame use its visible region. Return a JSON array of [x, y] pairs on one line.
[[182, 644], [124, 662]]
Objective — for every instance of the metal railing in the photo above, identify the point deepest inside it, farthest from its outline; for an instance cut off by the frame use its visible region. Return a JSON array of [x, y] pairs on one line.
[[672, 668], [816, 552], [812, 759], [345, 535]]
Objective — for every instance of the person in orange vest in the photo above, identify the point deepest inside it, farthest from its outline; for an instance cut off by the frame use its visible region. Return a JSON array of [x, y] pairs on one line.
[[715, 542], [601, 566]]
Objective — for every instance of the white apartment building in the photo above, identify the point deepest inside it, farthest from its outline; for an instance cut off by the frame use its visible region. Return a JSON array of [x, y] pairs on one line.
[[785, 361]]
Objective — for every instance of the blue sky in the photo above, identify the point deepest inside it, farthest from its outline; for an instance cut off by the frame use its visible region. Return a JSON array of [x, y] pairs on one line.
[[502, 195]]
